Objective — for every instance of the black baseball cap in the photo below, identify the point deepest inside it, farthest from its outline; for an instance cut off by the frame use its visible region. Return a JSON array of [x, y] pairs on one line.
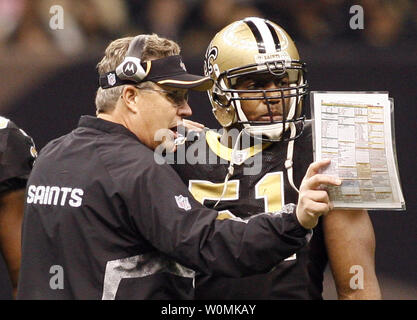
[[169, 71]]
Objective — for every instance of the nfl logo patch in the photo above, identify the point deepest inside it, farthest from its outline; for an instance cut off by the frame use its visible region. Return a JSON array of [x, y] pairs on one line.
[[111, 78], [183, 202]]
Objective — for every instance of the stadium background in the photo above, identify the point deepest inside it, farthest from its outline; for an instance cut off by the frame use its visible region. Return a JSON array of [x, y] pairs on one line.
[[48, 77]]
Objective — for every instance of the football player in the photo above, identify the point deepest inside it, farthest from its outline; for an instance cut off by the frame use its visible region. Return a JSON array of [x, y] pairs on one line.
[[17, 154], [257, 97]]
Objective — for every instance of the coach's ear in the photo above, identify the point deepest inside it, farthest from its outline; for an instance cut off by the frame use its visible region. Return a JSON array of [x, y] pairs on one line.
[[130, 96]]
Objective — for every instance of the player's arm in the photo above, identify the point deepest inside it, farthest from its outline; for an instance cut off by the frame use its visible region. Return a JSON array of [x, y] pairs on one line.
[[350, 243], [178, 225], [11, 215]]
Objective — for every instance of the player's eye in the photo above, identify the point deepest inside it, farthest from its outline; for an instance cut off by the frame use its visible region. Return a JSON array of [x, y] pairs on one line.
[[284, 82], [254, 84], [250, 85]]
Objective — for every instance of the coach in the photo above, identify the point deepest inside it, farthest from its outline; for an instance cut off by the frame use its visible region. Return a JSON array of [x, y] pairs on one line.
[[104, 221]]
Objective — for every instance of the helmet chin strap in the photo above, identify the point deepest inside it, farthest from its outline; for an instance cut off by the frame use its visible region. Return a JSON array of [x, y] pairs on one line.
[[290, 148], [230, 169], [290, 153]]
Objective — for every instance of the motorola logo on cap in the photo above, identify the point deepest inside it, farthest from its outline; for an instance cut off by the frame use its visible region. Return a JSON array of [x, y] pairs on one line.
[[130, 68]]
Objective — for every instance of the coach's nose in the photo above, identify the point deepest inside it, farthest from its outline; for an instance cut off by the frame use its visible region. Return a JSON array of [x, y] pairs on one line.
[[184, 110]]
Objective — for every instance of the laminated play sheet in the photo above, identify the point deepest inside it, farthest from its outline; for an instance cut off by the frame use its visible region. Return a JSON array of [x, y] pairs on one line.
[[355, 130]]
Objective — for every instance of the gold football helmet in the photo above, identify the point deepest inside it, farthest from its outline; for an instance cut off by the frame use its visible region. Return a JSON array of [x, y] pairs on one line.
[[250, 47]]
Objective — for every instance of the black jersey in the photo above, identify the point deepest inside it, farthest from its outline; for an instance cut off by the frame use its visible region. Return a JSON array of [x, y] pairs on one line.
[[17, 154], [299, 276], [104, 220]]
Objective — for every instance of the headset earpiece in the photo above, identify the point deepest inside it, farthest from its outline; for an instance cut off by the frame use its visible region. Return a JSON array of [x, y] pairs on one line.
[[168, 70], [131, 68]]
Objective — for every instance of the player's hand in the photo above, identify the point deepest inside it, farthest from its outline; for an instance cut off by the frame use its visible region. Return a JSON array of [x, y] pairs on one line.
[[313, 201], [192, 125]]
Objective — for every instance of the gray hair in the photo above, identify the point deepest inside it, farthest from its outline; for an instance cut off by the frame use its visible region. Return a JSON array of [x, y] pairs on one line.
[[155, 47]]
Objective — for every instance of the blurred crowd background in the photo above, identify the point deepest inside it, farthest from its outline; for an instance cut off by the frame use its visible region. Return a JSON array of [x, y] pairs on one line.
[[24, 24], [48, 77], [31, 51]]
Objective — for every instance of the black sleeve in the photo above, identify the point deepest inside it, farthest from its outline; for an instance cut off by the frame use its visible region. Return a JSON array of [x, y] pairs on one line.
[[175, 223], [17, 154], [12, 184]]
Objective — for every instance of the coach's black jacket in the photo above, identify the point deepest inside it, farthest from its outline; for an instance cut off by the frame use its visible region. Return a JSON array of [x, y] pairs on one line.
[[104, 221]]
